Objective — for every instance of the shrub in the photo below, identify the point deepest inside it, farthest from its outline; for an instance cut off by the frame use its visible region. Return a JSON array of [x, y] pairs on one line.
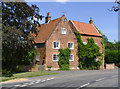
[[49, 68], [64, 57], [6, 73]]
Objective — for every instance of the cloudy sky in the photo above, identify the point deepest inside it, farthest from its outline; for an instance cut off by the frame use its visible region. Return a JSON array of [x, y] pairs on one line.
[[104, 19]]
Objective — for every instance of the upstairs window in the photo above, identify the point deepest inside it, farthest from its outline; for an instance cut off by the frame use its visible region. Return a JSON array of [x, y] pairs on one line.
[[71, 45], [55, 57], [56, 45], [71, 57], [84, 43], [63, 30]]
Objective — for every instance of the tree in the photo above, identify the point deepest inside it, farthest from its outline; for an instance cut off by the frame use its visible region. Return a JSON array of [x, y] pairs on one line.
[[116, 8], [18, 21], [105, 39], [112, 53]]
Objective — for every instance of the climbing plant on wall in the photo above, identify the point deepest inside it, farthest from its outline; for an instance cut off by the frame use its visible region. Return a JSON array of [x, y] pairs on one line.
[[87, 53], [103, 45], [64, 57]]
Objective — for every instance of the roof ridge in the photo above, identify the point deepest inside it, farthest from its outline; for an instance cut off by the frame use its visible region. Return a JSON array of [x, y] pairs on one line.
[[80, 22]]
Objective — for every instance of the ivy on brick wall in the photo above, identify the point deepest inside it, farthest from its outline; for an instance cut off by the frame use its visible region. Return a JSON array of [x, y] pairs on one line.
[[103, 45], [64, 57], [87, 53]]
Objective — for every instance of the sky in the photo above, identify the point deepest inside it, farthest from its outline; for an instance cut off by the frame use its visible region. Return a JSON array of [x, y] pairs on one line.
[[104, 19]]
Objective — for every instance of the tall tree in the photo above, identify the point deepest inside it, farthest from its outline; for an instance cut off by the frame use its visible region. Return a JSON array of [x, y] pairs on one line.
[[18, 20]]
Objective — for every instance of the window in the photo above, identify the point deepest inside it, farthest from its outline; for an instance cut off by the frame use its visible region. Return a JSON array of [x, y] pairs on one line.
[[35, 47], [55, 57], [71, 57], [84, 43], [56, 45], [71, 45], [63, 31], [38, 57]]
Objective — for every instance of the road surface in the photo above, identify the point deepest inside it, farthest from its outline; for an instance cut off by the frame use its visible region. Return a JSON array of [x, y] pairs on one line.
[[71, 79]]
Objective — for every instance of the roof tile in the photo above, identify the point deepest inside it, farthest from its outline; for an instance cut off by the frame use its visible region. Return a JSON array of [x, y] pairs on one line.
[[85, 28]]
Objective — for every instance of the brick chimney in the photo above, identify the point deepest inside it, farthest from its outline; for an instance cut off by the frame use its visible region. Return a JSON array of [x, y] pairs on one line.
[[91, 21], [48, 18]]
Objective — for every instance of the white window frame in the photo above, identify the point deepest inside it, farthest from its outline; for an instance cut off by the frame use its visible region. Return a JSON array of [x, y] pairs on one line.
[[62, 31], [73, 57], [70, 43], [35, 46], [84, 43], [58, 45], [37, 57], [53, 57]]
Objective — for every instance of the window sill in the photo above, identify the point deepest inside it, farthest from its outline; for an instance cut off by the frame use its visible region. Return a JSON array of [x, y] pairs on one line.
[[55, 60], [56, 48], [71, 60], [71, 48]]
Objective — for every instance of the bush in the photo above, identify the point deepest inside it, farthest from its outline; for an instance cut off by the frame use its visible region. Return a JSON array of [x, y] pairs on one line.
[[49, 68], [64, 57], [6, 73], [111, 56]]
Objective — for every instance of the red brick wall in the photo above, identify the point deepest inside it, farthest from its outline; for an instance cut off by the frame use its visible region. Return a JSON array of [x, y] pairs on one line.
[[42, 52], [84, 38], [110, 66], [63, 39], [96, 39]]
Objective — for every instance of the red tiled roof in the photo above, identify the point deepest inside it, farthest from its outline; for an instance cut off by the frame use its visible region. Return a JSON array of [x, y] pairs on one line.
[[45, 31], [85, 28]]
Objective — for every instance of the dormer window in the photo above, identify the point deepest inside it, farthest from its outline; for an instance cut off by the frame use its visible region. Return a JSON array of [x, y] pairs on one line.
[[63, 30]]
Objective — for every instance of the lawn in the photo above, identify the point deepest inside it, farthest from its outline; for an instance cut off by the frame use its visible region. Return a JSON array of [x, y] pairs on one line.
[[27, 74]]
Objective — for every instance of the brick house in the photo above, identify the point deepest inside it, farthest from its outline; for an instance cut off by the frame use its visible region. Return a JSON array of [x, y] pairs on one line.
[[88, 30], [59, 33], [52, 36]]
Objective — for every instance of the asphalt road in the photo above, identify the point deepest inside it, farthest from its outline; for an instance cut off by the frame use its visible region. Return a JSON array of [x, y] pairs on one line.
[[71, 79]]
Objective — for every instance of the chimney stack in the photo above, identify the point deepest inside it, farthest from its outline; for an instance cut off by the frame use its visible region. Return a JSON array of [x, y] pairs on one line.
[[48, 18], [91, 21]]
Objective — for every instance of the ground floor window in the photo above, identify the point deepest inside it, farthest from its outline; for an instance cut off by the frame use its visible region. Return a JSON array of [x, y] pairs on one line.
[[55, 57], [38, 57], [71, 57]]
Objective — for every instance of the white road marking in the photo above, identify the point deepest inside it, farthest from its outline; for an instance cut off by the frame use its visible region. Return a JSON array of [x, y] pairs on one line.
[[17, 85], [23, 85], [99, 79], [48, 79], [114, 76], [26, 83], [30, 83], [53, 78], [37, 82], [85, 85], [43, 80]]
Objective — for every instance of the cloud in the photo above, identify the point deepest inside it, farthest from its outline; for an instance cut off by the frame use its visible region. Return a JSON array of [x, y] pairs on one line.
[[62, 1]]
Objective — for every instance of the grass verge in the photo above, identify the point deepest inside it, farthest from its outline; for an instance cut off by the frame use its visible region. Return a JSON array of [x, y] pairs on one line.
[[27, 74]]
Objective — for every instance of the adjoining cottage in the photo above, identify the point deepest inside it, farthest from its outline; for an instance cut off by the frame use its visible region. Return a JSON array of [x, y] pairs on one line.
[[88, 30], [59, 33]]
